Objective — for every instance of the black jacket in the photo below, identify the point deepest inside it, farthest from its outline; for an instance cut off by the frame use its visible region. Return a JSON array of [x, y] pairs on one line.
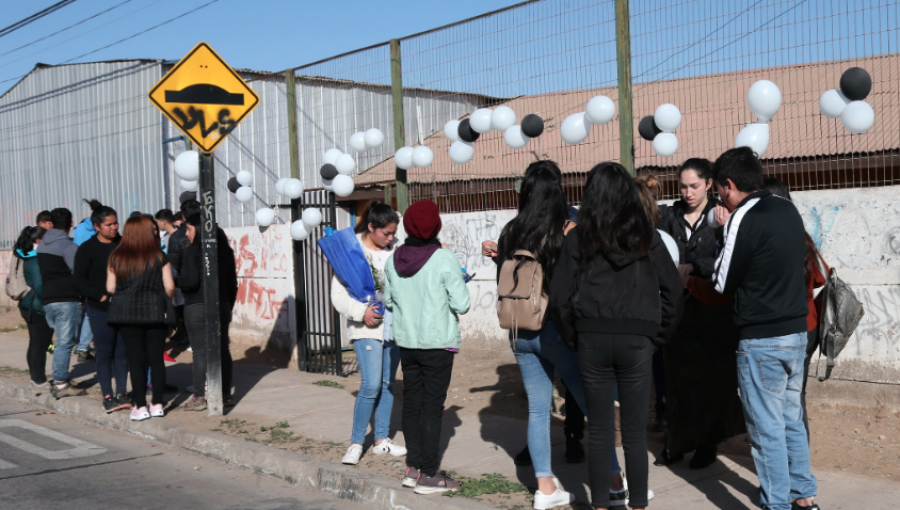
[[700, 250], [623, 294], [91, 261], [178, 244], [762, 265], [190, 279]]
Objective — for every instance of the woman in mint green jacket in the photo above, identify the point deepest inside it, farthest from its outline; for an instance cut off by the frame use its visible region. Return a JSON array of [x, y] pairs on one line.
[[426, 293]]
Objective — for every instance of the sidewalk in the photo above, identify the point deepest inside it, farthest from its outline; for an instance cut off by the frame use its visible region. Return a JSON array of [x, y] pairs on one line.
[[475, 445]]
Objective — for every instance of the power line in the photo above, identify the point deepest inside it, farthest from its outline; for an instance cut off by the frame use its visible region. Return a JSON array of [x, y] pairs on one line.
[[34, 17], [64, 29]]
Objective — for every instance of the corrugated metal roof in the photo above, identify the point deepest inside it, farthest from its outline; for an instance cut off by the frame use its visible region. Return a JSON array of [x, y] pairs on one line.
[[714, 110]]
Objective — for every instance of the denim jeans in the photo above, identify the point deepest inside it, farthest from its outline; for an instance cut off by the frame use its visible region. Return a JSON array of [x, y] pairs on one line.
[[378, 364], [770, 377], [538, 353], [64, 318], [86, 334], [112, 362]]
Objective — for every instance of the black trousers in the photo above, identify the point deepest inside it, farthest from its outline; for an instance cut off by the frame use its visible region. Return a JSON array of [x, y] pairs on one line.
[[195, 320], [574, 422], [109, 348], [608, 359], [812, 344], [40, 335], [426, 378], [144, 345]]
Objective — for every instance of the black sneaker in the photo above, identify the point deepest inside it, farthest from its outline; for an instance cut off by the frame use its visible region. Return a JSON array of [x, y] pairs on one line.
[[523, 458], [435, 484], [124, 401], [795, 506], [574, 451], [51, 348], [666, 459], [84, 356], [703, 457], [111, 405], [660, 421]]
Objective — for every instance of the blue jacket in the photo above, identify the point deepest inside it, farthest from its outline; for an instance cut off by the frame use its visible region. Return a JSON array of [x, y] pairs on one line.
[[32, 301], [84, 231]]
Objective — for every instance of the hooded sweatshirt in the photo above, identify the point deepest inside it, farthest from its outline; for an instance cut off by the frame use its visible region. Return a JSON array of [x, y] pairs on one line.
[[56, 258], [84, 231], [616, 294], [32, 301]]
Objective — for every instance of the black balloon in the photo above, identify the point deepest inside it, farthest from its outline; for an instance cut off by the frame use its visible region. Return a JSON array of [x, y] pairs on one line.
[[466, 133], [187, 195], [532, 125], [233, 184], [328, 171], [856, 83], [648, 129]]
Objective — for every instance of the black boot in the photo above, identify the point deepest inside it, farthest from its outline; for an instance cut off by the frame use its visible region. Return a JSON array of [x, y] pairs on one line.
[[574, 450], [523, 458], [704, 457], [665, 459]]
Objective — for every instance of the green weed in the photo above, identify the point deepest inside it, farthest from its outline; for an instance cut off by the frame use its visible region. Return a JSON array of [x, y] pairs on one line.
[[493, 483], [329, 384], [17, 327]]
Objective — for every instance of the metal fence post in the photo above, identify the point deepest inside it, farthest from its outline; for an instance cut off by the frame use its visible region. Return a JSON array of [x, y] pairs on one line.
[[623, 58], [298, 348], [399, 127], [210, 244]]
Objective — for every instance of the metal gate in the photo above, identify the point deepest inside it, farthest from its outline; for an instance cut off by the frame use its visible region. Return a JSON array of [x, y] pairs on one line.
[[318, 323]]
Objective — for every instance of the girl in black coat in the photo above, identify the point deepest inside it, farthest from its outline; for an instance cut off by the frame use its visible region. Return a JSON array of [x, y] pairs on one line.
[[702, 404]]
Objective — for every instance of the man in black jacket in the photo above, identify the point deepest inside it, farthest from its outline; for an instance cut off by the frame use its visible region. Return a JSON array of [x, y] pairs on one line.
[[62, 301], [761, 265]]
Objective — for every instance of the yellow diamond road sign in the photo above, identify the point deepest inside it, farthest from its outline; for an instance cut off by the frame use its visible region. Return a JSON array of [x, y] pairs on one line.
[[204, 97]]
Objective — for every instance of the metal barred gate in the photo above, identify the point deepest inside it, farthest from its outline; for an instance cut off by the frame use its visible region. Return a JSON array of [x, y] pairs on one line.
[[318, 323]]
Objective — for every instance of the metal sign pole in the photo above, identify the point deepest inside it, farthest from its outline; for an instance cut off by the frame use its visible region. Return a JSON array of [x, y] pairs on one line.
[[210, 276]]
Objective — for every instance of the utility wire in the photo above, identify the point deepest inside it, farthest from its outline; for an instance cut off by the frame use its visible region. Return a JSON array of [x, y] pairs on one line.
[[34, 17], [64, 29]]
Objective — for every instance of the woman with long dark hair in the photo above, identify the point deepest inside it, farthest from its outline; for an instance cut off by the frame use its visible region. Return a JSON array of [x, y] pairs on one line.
[[702, 405], [40, 334], [378, 358], [613, 295], [140, 281]]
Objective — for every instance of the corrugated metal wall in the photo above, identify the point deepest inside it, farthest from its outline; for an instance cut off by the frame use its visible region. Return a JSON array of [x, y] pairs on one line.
[[79, 131]]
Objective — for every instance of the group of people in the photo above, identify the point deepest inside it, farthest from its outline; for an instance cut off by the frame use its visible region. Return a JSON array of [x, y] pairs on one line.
[[724, 335], [119, 293]]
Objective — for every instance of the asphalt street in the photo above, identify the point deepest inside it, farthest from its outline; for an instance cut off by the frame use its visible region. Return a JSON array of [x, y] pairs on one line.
[[51, 461]]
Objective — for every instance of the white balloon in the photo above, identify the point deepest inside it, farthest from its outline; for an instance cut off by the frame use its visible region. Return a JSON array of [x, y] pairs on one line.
[[345, 164], [667, 117], [858, 117], [244, 194], [299, 231], [374, 137], [331, 156], [461, 152], [422, 156], [575, 128], [293, 188], [515, 138], [404, 158], [265, 216], [665, 144], [756, 136], [832, 103], [343, 185], [311, 217], [245, 178], [189, 185], [327, 184], [451, 130], [279, 185], [481, 120], [711, 218], [358, 141], [764, 99], [600, 110], [187, 165], [671, 245], [503, 118]]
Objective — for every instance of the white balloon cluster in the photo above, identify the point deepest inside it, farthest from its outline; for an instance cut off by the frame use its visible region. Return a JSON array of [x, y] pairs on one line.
[[667, 118], [365, 140], [245, 192], [187, 167], [576, 127], [848, 102], [309, 220], [764, 100], [341, 183], [408, 157]]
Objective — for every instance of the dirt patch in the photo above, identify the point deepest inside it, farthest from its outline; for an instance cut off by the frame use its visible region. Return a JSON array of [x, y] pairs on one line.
[[11, 321]]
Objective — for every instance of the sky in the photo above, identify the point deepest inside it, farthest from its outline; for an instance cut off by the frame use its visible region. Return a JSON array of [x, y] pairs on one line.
[[269, 35]]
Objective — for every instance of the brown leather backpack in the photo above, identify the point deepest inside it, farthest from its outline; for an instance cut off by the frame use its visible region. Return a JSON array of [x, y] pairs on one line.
[[521, 299]]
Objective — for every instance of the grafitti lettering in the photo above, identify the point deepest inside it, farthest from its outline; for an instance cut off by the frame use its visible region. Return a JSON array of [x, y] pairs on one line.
[[193, 117]]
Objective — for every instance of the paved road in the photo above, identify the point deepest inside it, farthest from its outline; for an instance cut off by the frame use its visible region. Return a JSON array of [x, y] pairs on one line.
[[51, 461]]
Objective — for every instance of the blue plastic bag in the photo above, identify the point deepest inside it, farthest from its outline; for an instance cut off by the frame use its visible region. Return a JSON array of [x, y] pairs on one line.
[[349, 263]]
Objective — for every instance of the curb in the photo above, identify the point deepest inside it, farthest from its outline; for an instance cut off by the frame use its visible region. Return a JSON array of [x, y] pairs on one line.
[[308, 474]]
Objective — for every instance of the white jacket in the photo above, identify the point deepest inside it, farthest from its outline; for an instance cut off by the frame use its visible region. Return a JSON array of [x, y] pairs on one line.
[[353, 310]]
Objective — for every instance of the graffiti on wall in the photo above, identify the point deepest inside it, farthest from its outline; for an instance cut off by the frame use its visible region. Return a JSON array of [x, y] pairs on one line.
[[463, 234], [265, 278]]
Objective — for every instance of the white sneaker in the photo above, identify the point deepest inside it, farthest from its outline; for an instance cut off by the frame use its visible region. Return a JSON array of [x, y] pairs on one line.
[[139, 414], [560, 497], [388, 446], [353, 454], [156, 410]]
